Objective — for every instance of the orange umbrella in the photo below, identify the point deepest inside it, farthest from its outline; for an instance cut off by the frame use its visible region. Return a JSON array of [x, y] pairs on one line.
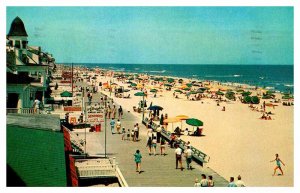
[[181, 118], [172, 120]]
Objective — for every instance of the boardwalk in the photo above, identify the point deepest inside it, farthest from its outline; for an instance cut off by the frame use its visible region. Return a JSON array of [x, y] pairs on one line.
[[159, 171]]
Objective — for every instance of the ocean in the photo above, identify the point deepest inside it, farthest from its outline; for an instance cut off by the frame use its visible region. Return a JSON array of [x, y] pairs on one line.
[[275, 77]]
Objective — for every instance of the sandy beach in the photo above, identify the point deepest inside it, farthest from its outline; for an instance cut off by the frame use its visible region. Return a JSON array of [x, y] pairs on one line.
[[237, 140]]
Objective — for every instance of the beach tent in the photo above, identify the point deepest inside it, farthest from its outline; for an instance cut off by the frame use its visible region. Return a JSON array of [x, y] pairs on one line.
[[66, 94]]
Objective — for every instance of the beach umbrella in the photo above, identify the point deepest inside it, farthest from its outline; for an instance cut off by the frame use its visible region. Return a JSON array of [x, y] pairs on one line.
[[129, 82], [255, 100], [170, 80], [287, 97], [247, 99], [153, 90], [180, 91], [219, 93], [66, 94], [192, 92], [155, 108], [270, 92], [194, 122], [180, 80], [189, 85], [246, 93], [131, 78], [168, 85], [172, 120], [230, 95], [126, 90], [133, 84], [200, 91], [203, 88], [187, 89], [181, 118], [240, 90], [140, 94]]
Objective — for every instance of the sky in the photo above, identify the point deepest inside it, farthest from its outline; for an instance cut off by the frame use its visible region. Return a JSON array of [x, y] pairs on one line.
[[161, 35]]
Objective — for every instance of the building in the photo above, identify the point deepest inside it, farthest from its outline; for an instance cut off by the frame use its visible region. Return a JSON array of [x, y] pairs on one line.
[[28, 69]]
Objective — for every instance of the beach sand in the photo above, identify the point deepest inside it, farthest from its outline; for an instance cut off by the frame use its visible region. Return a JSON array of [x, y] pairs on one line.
[[237, 141]]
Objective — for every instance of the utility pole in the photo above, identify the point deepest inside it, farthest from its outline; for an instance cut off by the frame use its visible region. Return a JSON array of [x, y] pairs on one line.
[[72, 78]]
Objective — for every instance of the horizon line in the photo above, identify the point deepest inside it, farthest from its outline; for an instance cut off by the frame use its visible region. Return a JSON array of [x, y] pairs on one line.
[[76, 63]]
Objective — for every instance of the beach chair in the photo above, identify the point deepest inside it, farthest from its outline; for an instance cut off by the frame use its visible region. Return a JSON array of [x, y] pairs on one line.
[[128, 96]]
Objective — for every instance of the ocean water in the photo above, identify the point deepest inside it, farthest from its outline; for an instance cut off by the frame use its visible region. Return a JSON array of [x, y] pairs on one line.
[[279, 77]]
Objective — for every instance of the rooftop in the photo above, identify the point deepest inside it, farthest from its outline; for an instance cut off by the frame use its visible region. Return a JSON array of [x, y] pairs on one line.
[[17, 28]]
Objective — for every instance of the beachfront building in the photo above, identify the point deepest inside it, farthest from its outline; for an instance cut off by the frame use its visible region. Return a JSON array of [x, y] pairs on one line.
[[38, 153], [28, 69]]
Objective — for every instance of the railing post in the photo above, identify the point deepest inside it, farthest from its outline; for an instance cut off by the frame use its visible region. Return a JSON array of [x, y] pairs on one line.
[[114, 162]]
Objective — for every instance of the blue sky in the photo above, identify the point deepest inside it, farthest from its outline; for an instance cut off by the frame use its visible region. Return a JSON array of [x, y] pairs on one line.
[[161, 35]]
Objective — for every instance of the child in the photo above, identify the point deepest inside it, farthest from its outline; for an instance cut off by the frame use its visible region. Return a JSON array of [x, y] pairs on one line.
[[137, 159], [123, 133], [128, 134], [154, 145], [197, 184], [210, 181], [132, 134]]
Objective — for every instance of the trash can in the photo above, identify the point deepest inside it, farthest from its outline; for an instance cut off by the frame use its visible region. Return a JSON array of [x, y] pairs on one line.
[[98, 128]]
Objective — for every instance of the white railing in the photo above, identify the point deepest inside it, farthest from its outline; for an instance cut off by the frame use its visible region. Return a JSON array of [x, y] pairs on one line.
[[91, 168]]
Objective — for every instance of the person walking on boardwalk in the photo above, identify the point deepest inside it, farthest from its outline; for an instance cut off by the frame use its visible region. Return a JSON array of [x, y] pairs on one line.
[[178, 153], [162, 146], [239, 182], [204, 181], [123, 133], [278, 165], [211, 183], [120, 112], [197, 183], [231, 182], [188, 157], [137, 159], [112, 125], [154, 142], [118, 126], [149, 144]]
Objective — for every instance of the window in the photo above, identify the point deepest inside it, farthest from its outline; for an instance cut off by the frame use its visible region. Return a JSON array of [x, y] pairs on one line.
[[17, 44], [24, 44]]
